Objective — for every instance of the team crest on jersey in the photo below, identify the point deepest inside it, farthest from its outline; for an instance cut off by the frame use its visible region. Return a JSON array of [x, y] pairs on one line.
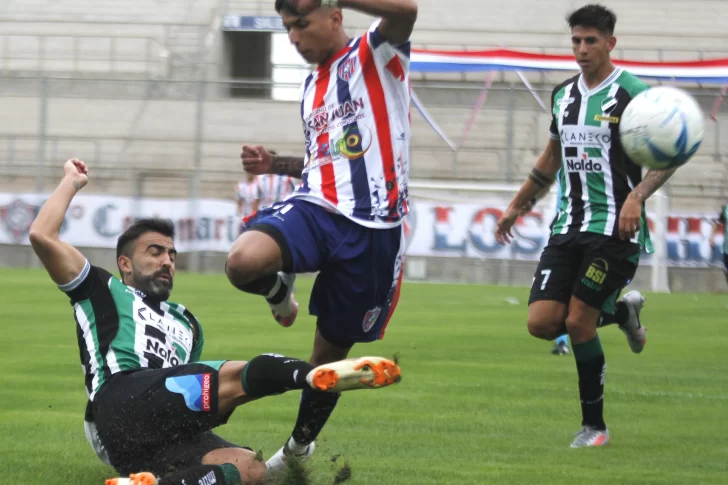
[[608, 105], [370, 318], [347, 69], [17, 218]]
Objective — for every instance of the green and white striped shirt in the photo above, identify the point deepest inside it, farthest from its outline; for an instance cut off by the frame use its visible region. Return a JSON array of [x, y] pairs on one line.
[[596, 175], [121, 329]]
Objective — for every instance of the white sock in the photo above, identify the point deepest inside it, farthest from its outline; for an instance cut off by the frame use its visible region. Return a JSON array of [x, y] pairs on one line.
[[296, 447]]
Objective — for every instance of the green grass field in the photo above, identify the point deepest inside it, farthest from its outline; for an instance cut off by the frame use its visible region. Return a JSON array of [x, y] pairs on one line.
[[481, 401]]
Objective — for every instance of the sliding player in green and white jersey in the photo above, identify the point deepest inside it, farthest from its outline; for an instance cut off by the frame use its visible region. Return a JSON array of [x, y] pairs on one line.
[[152, 402], [600, 228]]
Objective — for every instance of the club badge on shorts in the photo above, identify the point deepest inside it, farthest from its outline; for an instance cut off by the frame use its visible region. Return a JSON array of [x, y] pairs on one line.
[[370, 318]]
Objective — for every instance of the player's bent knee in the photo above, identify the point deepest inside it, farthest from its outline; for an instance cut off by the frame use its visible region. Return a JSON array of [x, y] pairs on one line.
[[546, 319], [546, 330], [253, 255], [581, 322], [250, 466]]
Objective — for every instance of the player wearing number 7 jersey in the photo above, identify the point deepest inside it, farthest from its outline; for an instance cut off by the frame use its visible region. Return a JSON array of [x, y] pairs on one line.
[[600, 228]]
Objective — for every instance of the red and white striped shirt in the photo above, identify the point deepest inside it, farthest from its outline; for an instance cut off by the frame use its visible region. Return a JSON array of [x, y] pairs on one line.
[[356, 123], [248, 192], [274, 188]]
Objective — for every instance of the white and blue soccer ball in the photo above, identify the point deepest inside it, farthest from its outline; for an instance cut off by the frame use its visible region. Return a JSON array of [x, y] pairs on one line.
[[661, 128]]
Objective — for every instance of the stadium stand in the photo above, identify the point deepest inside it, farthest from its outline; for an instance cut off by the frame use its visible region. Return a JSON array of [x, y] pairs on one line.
[[126, 127]]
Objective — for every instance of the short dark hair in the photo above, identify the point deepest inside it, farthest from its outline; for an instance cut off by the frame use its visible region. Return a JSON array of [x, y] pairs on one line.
[[287, 6], [595, 16], [140, 227]]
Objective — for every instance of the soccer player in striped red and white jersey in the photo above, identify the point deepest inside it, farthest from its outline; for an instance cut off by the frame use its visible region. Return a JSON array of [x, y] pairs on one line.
[[344, 220]]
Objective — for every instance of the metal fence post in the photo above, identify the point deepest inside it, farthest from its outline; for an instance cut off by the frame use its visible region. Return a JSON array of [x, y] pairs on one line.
[[42, 130], [195, 182], [509, 133]]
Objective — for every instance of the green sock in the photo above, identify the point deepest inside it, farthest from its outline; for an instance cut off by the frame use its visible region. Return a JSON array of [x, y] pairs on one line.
[[591, 369], [231, 473]]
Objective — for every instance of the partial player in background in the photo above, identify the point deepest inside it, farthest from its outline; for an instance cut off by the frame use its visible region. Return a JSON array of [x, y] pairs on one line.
[[344, 220], [275, 188], [152, 402], [722, 219], [595, 245], [248, 196]]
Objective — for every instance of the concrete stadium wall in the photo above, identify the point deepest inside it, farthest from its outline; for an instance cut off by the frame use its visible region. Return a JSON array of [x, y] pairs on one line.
[[137, 134]]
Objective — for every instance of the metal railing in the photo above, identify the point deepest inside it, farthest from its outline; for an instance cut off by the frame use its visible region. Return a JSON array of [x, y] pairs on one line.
[[179, 130], [83, 53]]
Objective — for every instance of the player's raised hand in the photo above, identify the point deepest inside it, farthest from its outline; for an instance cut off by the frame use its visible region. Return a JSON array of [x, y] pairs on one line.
[[256, 160], [76, 171], [503, 232]]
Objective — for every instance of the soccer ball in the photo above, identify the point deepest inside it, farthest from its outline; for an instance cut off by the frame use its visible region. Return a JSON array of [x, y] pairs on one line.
[[661, 128]]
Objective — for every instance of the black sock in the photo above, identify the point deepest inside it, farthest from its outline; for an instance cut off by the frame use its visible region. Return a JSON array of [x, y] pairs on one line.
[[313, 412], [591, 369], [270, 374], [270, 286], [225, 474], [620, 316]]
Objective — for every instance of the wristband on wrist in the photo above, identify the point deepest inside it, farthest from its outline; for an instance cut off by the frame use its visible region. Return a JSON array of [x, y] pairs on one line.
[[329, 3]]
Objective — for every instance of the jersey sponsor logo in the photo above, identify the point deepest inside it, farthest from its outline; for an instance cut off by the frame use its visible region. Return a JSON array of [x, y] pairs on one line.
[[195, 389], [370, 318], [347, 69], [327, 118], [347, 109], [352, 144], [585, 136], [206, 381], [165, 329], [586, 164], [596, 275], [157, 348], [610, 119]]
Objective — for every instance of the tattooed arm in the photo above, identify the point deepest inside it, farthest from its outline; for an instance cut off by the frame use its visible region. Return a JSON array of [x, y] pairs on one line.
[[631, 214], [291, 166], [258, 161], [649, 185]]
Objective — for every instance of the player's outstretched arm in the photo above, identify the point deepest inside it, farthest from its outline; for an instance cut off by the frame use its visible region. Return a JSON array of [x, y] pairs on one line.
[[62, 261], [630, 215], [290, 166], [258, 161], [398, 16], [540, 178]]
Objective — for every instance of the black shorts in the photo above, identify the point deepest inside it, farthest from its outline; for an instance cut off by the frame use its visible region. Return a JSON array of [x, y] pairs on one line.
[[725, 262], [591, 267], [159, 420]]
